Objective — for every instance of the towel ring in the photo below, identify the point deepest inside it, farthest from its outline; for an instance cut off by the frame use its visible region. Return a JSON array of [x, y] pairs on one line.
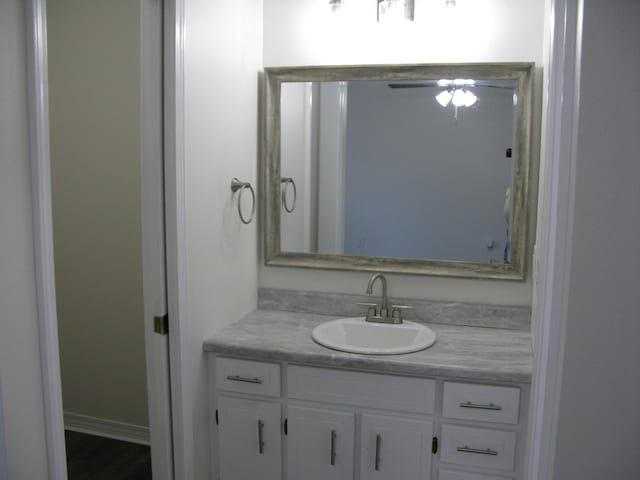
[[242, 186], [289, 181]]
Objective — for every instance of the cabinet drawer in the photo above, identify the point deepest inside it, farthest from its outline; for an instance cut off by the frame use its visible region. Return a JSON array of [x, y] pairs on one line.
[[485, 403], [453, 475], [406, 394], [478, 447], [247, 376]]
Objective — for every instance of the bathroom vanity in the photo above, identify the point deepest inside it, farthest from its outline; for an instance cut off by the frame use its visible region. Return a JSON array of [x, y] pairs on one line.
[[284, 407]]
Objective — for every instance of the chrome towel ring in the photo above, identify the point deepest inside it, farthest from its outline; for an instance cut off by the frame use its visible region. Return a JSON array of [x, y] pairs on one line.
[[289, 181], [242, 186]]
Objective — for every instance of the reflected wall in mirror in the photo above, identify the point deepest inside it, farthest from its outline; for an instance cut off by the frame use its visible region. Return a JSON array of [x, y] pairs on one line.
[[410, 169]]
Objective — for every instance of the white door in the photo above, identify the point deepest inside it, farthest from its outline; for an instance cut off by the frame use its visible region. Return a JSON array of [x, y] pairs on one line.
[[250, 439], [395, 448], [320, 443], [153, 238]]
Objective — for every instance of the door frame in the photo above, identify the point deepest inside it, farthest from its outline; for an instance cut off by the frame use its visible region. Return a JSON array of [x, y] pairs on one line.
[[39, 153], [551, 263]]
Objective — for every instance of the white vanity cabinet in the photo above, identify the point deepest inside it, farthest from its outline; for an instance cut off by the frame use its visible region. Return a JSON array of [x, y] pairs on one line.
[[393, 447], [320, 443], [251, 444], [293, 422]]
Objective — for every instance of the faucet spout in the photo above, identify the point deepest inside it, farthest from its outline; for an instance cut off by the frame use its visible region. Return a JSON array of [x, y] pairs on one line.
[[383, 280]]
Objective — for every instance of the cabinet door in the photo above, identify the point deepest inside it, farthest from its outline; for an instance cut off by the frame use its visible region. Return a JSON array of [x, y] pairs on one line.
[[320, 444], [249, 439], [395, 448]]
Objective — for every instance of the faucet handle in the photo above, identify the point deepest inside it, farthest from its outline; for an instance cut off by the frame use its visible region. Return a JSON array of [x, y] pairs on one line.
[[371, 309], [396, 311]]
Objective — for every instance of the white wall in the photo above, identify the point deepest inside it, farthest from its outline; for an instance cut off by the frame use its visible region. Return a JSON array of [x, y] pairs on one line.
[[598, 435], [94, 80], [302, 32], [19, 346], [223, 56]]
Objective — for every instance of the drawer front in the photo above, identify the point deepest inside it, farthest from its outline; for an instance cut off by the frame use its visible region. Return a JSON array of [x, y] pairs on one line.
[[453, 475], [406, 394], [247, 376], [485, 403], [478, 447]]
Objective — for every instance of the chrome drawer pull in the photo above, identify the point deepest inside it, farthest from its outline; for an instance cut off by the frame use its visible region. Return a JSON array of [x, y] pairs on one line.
[[466, 449], [491, 406], [260, 439], [333, 447], [238, 378], [378, 442]]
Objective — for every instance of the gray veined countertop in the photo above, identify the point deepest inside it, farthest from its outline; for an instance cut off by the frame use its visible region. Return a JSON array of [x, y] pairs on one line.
[[473, 353]]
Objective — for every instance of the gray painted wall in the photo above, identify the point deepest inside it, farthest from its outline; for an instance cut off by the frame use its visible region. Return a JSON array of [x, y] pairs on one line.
[[19, 342], [3, 448], [598, 429], [422, 184]]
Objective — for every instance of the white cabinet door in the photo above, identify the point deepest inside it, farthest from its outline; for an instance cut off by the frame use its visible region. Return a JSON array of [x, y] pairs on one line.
[[249, 439], [320, 444], [395, 448]]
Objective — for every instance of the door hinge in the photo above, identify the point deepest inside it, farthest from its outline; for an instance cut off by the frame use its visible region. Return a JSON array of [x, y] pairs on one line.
[[217, 421], [161, 324], [434, 445], [286, 427]]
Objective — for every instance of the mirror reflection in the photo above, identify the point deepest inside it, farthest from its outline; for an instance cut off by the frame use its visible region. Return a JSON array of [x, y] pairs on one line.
[[412, 169]]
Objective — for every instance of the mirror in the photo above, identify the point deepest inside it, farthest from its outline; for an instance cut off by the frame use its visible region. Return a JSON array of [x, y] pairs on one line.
[[419, 169]]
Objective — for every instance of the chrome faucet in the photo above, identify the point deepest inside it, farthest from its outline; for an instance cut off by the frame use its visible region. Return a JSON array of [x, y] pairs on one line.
[[384, 311], [383, 314]]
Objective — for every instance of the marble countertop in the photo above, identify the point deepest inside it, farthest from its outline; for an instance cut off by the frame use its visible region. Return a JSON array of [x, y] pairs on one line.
[[460, 351]]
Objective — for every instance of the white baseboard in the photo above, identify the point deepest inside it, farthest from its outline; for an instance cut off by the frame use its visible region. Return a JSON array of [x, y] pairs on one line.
[[106, 428]]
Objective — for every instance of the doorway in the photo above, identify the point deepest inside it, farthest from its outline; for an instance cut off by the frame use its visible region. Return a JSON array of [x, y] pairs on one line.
[[106, 205]]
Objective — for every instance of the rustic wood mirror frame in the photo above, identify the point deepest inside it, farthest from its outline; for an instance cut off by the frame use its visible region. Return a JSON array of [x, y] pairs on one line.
[[522, 73]]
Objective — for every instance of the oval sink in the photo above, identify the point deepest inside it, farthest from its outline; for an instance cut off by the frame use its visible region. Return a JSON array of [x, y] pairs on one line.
[[355, 335]]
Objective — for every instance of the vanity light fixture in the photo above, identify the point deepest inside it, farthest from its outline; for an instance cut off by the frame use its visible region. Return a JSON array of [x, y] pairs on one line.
[[336, 5], [394, 10]]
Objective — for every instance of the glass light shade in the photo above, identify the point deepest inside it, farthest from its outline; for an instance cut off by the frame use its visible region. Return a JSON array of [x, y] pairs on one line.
[[458, 98], [444, 98], [335, 5], [469, 98], [395, 10]]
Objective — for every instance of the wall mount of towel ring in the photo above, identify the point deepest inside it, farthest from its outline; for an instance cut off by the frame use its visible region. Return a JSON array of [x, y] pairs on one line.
[[288, 181], [242, 186]]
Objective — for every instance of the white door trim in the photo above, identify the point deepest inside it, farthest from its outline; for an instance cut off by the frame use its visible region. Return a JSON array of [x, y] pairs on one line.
[[176, 250], [37, 92], [153, 238], [555, 228], [38, 96]]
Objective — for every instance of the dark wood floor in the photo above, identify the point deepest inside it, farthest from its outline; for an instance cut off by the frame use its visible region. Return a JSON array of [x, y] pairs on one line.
[[97, 458]]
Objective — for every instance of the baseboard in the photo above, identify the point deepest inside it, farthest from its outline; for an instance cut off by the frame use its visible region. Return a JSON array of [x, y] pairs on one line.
[[106, 428]]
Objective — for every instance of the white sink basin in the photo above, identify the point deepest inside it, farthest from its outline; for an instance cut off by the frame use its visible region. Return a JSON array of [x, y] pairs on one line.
[[355, 335]]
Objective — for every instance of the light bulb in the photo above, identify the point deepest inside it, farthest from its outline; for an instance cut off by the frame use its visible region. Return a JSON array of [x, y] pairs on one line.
[[444, 82], [444, 98]]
